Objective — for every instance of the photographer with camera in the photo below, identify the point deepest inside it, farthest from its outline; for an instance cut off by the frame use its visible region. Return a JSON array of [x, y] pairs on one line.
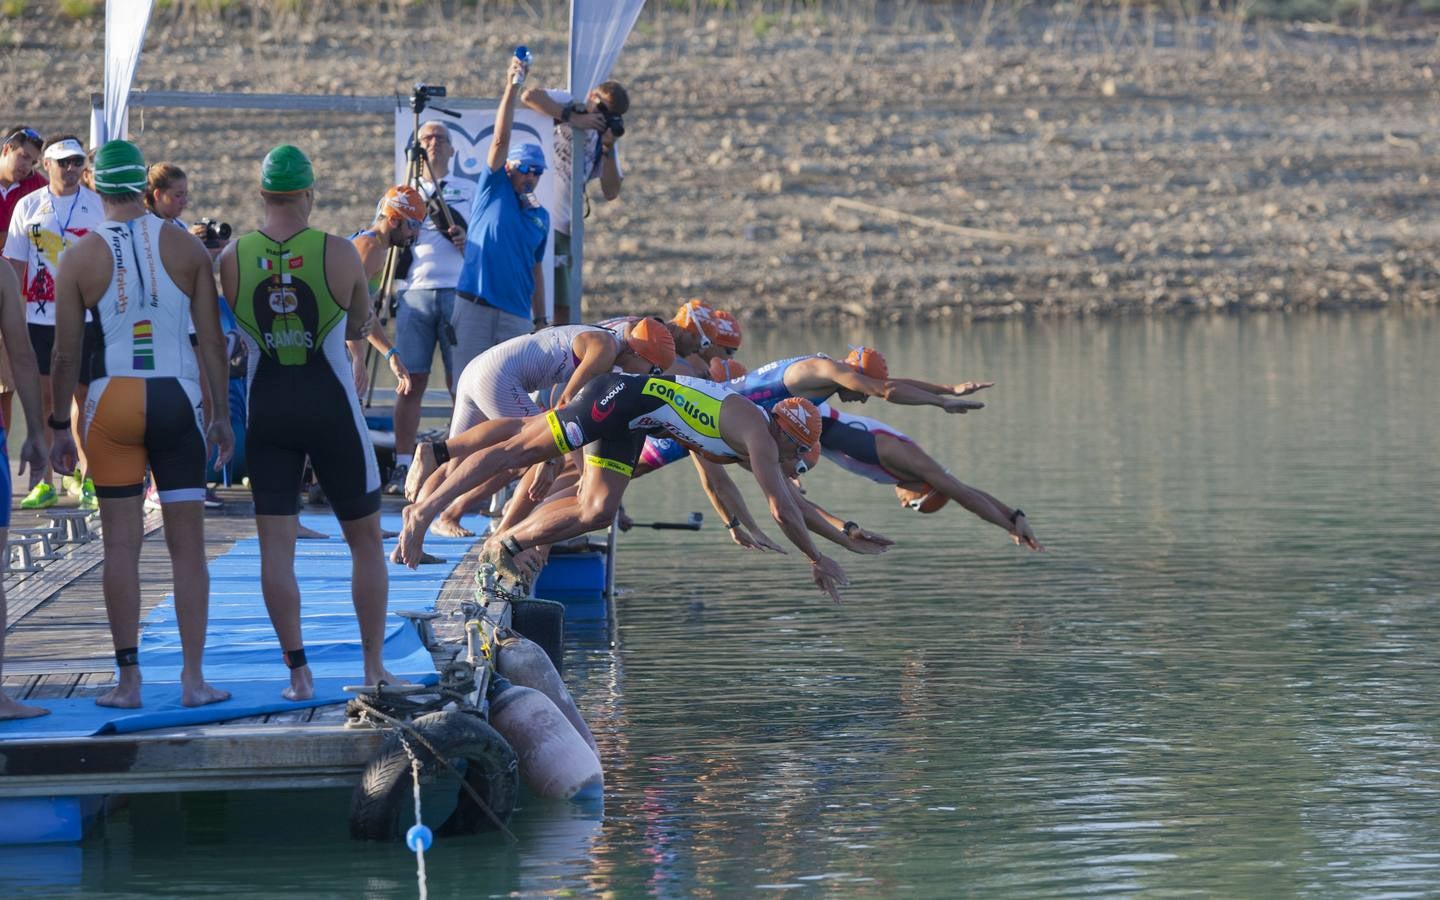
[[602, 118], [167, 194], [427, 305]]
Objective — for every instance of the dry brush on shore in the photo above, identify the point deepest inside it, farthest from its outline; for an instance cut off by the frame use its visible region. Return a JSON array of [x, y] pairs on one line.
[[876, 162]]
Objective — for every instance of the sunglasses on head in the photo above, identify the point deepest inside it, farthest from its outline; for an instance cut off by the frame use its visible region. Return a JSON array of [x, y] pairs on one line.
[[28, 134], [526, 168]]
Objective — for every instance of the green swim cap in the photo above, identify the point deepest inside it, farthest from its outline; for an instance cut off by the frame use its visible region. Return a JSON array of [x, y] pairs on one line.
[[119, 169], [286, 169]]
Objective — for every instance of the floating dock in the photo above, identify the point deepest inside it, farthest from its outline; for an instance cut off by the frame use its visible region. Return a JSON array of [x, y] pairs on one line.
[[59, 653]]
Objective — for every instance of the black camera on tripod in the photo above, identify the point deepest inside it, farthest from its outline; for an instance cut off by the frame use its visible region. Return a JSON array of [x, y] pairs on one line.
[[423, 94], [216, 233]]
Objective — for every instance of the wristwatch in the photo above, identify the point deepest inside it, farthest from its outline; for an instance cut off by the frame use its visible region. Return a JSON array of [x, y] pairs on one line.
[[540, 320]]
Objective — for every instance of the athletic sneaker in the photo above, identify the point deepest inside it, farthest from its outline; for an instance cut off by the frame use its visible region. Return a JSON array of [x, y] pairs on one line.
[[73, 484], [41, 496], [396, 484], [88, 500], [212, 499], [152, 496]]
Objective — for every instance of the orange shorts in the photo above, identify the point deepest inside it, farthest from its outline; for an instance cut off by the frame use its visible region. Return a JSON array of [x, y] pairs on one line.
[[131, 423]]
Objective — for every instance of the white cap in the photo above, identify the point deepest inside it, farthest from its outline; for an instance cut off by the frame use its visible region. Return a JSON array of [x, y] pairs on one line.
[[64, 149]]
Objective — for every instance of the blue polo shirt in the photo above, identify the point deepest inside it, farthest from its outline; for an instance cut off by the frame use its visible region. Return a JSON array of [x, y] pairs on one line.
[[505, 241]]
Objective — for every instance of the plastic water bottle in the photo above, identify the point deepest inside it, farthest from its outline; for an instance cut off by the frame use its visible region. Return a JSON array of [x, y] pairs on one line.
[[522, 53]]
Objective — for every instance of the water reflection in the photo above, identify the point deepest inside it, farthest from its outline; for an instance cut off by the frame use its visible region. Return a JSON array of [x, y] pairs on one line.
[[1220, 680]]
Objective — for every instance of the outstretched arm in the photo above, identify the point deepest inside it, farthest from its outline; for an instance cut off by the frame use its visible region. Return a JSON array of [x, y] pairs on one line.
[[893, 390], [729, 503], [962, 389]]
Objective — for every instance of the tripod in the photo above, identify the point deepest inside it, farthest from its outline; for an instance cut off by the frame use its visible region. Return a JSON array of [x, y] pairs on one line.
[[417, 164]]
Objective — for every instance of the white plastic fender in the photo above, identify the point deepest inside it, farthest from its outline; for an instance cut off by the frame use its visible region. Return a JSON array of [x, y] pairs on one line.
[[554, 760], [526, 663]]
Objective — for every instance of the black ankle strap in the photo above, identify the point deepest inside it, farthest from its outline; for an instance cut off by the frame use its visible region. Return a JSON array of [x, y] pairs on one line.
[[442, 452], [130, 656], [294, 658]]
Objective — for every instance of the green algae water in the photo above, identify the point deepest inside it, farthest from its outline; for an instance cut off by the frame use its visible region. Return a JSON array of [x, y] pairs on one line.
[[1221, 680]]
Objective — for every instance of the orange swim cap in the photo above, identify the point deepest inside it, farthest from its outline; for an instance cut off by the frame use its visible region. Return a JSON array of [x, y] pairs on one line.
[[927, 500], [868, 361], [725, 369], [403, 202], [727, 330], [650, 340], [799, 419], [698, 317]]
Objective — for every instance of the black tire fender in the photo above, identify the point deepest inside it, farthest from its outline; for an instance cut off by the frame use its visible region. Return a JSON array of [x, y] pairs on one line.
[[542, 621], [383, 798]]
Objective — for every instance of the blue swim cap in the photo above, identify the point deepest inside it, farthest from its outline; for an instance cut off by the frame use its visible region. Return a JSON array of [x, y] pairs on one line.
[[527, 154]]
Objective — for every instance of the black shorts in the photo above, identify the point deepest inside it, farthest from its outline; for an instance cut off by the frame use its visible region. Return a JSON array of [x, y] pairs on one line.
[[299, 412], [600, 415], [92, 350], [856, 443]]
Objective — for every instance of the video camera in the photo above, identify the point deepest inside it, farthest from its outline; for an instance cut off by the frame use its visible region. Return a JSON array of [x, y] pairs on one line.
[[216, 233], [423, 94]]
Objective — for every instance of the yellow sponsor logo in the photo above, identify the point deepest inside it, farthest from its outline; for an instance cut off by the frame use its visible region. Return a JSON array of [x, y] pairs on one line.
[[610, 464], [557, 432], [700, 411]]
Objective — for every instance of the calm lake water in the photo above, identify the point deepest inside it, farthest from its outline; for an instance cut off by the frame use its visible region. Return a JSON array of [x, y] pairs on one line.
[[1222, 678]]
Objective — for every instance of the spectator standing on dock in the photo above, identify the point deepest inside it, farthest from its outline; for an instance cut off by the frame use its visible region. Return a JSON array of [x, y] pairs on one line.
[[26, 380], [145, 281], [600, 118], [427, 305], [502, 285], [299, 294], [19, 156], [44, 224], [396, 225]]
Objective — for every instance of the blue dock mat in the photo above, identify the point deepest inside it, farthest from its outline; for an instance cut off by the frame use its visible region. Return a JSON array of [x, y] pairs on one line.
[[242, 655]]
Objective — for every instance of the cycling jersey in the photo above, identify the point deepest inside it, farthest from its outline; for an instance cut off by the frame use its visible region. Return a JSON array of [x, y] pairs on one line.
[[498, 383], [765, 386], [849, 442]]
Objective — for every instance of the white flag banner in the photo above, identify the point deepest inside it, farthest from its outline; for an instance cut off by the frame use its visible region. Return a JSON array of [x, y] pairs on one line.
[[470, 136], [598, 29], [125, 23]]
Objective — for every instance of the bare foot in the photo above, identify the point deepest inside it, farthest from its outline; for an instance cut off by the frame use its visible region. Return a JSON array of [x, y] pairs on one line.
[[302, 685], [449, 526], [375, 676], [14, 709], [420, 468], [121, 696], [412, 536], [310, 534], [201, 694]]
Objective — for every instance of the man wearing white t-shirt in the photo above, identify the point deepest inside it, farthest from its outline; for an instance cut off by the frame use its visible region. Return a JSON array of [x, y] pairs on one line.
[[428, 301], [43, 225], [600, 118]]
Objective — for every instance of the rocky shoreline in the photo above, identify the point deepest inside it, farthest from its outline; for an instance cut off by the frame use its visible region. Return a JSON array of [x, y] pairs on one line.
[[840, 167]]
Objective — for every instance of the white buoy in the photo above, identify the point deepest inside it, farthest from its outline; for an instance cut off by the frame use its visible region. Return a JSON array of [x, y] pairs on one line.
[[526, 663], [554, 760]]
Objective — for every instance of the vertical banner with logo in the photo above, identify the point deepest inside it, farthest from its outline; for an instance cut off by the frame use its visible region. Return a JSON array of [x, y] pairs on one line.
[[470, 136], [125, 24], [598, 29]]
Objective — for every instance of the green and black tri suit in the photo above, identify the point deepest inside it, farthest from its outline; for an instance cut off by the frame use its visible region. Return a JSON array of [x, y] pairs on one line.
[[302, 398]]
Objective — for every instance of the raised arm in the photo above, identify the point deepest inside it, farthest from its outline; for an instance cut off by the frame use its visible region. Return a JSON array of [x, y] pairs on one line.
[[505, 115], [962, 389]]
